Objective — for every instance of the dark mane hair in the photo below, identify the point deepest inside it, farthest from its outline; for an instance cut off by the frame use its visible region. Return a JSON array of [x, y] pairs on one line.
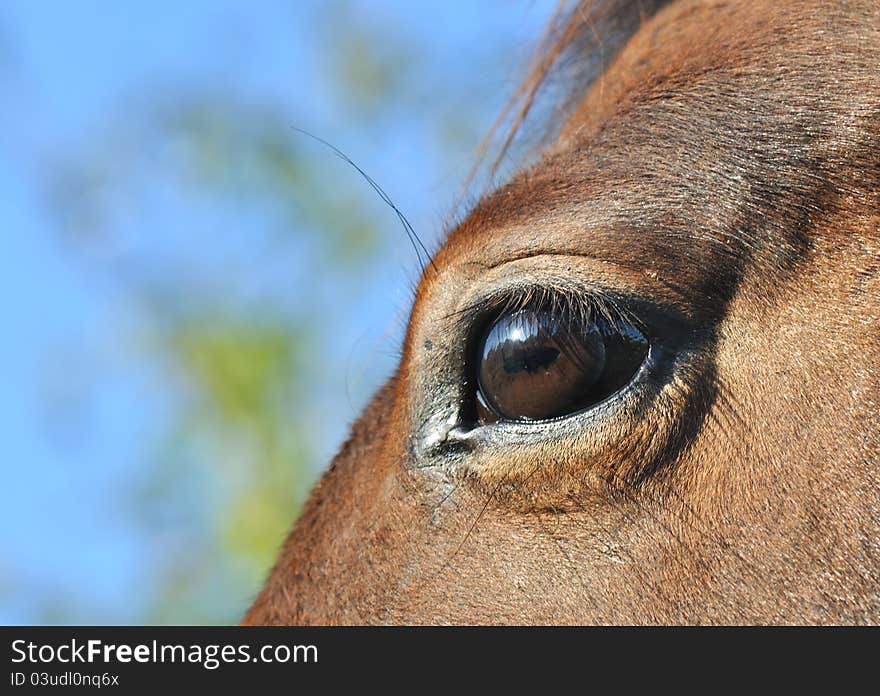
[[581, 40]]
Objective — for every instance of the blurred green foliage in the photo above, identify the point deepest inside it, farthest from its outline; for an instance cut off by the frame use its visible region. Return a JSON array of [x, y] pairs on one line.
[[246, 377]]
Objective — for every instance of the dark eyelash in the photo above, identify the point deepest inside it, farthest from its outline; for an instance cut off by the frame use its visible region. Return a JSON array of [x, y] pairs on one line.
[[578, 305]]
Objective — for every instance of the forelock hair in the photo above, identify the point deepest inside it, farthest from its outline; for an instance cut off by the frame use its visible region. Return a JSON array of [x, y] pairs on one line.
[[580, 42]]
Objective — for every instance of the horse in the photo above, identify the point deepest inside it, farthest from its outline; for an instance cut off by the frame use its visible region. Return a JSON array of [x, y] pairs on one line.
[[639, 382]]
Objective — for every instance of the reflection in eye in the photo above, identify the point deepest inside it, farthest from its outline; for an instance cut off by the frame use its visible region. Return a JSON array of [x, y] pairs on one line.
[[536, 364]]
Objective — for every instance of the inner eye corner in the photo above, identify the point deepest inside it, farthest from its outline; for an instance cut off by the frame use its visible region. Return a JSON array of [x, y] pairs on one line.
[[544, 360]]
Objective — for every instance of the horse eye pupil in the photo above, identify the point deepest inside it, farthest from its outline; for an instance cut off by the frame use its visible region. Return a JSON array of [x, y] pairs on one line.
[[535, 365], [530, 360]]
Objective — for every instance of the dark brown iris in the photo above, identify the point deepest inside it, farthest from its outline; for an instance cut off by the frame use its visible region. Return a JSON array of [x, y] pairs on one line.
[[536, 365]]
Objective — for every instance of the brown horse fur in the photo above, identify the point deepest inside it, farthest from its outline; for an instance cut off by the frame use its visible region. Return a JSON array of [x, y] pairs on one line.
[[717, 175]]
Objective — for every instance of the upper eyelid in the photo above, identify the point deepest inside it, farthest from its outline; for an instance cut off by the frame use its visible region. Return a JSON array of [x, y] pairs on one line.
[[614, 290], [678, 293]]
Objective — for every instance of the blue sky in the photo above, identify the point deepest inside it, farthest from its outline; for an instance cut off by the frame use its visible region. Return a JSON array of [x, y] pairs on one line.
[[75, 408]]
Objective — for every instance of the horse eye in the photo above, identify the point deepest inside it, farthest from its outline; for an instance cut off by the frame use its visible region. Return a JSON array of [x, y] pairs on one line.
[[536, 364]]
